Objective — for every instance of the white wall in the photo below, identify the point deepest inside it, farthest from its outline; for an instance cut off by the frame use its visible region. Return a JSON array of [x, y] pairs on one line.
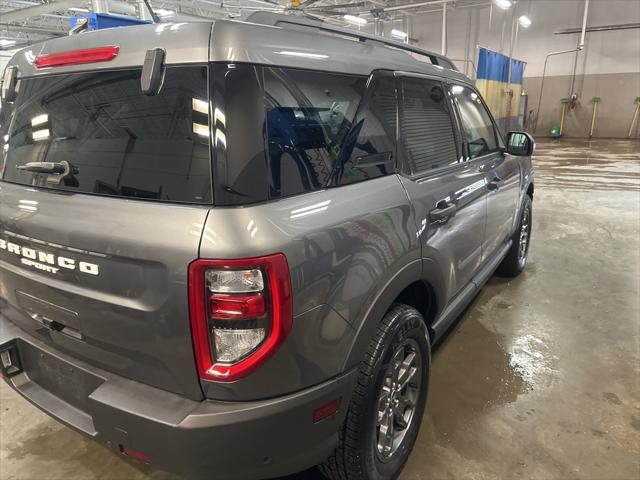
[[605, 52], [608, 66]]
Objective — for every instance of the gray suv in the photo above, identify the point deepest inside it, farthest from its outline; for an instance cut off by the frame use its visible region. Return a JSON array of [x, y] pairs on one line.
[[227, 248]]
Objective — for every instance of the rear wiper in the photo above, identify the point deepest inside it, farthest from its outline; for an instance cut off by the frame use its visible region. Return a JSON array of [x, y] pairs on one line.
[[45, 167], [57, 171]]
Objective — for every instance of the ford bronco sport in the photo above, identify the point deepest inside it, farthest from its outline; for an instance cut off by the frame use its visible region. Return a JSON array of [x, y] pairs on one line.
[[227, 248]]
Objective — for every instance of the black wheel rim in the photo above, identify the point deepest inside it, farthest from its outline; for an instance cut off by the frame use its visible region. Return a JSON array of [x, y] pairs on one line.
[[398, 398], [525, 233]]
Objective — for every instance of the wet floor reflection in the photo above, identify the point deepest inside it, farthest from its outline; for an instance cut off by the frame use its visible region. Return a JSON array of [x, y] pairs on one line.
[[588, 165]]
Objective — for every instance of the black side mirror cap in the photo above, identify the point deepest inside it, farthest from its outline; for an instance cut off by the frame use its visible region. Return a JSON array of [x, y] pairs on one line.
[[152, 72], [520, 144], [10, 84]]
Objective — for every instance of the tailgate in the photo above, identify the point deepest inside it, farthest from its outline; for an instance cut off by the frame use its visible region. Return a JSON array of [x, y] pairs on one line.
[[103, 279], [95, 246]]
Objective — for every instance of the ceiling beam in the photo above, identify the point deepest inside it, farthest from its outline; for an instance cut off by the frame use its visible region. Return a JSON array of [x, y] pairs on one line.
[[28, 29], [23, 13]]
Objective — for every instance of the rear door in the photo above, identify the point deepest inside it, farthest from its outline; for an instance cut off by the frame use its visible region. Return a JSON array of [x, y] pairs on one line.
[[94, 256], [447, 194], [501, 171]]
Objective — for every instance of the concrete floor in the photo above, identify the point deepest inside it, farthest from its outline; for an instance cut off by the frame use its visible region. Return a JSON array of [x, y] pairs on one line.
[[539, 379]]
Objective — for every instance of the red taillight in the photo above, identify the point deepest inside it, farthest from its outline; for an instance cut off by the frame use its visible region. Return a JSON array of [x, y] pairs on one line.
[[241, 312], [75, 57], [227, 307]]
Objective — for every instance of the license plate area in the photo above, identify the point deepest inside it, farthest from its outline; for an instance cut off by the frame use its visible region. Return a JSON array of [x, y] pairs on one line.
[[62, 379]]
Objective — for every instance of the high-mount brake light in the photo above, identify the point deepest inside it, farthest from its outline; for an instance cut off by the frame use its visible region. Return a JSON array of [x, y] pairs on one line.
[[76, 57], [241, 312]]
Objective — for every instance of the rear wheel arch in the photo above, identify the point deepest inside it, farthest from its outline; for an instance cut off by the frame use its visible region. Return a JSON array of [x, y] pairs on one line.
[[409, 287]]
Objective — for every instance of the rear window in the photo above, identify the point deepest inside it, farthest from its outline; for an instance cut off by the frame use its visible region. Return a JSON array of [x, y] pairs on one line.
[[115, 140]]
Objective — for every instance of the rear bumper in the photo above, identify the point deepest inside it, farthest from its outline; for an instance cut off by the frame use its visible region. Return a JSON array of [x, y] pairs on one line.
[[207, 439]]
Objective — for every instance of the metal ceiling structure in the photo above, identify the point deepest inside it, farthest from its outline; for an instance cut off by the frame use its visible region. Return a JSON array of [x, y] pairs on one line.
[[23, 22]]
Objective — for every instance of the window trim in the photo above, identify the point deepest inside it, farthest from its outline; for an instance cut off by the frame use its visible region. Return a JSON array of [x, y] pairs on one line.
[[403, 166]]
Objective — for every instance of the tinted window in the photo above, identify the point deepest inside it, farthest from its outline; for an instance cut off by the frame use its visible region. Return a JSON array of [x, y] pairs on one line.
[[309, 116], [369, 148], [426, 127], [476, 121], [116, 141], [241, 173]]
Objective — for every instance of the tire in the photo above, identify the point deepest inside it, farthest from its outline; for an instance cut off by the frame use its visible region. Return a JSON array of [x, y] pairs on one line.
[[516, 259], [364, 451]]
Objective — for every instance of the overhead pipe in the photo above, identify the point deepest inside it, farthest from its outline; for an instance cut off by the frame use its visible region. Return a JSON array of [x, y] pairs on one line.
[[580, 47], [584, 23], [599, 28], [415, 5], [444, 29]]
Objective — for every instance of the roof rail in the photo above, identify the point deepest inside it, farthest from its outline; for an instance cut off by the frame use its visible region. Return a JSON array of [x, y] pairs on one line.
[[275, 19]]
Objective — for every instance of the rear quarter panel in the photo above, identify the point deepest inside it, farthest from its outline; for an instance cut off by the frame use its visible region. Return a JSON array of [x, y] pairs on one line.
[[343, 246]]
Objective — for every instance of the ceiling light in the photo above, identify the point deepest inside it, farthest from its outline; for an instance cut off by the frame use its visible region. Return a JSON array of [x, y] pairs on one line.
[[524, 21], [164, 12], [355, 20], [503, 4], [6, 43], [399, 34], [78, 9]]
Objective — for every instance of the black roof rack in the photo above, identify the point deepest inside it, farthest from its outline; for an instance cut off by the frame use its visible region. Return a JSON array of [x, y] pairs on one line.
[[276, 19]]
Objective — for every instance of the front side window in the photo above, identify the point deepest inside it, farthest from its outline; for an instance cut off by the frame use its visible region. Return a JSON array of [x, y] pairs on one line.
[[105, 137], [476, 122], [426, 126]]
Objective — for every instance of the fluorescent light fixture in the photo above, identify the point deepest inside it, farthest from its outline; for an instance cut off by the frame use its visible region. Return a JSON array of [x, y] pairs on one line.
[[164, 12], [290, 53], [78, 9], [524, 21], [399, 34], [503, 4], [199, 105], [457, 89], [6, 43], [355, 20], [40, 134], [39, 120]]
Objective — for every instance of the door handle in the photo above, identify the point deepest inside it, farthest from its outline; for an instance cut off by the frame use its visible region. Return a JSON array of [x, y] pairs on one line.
[[495, 183], [443, 211]]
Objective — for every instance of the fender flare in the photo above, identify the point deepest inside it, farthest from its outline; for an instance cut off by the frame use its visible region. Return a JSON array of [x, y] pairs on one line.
[[416, 270]]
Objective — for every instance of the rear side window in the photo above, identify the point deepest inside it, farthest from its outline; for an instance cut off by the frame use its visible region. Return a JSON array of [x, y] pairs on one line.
[[426, 126], [117, 141], [369, 148], [309, 115], [476, 122]]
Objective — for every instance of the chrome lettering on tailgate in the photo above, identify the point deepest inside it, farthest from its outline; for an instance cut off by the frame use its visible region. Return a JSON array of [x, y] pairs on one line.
[[46, 261]]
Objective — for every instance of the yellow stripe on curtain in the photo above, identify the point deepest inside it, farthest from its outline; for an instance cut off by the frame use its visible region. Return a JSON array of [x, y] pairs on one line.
[[497, 99]]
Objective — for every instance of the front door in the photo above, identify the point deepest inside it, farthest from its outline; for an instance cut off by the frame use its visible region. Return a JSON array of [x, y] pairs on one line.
[[500, 170], [447, 193]]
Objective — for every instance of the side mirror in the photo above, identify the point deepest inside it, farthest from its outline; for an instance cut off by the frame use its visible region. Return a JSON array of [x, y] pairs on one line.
[[520, 144]]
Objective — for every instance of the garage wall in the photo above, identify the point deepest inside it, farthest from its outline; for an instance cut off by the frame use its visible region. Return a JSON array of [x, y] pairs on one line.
[[608, 67]]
